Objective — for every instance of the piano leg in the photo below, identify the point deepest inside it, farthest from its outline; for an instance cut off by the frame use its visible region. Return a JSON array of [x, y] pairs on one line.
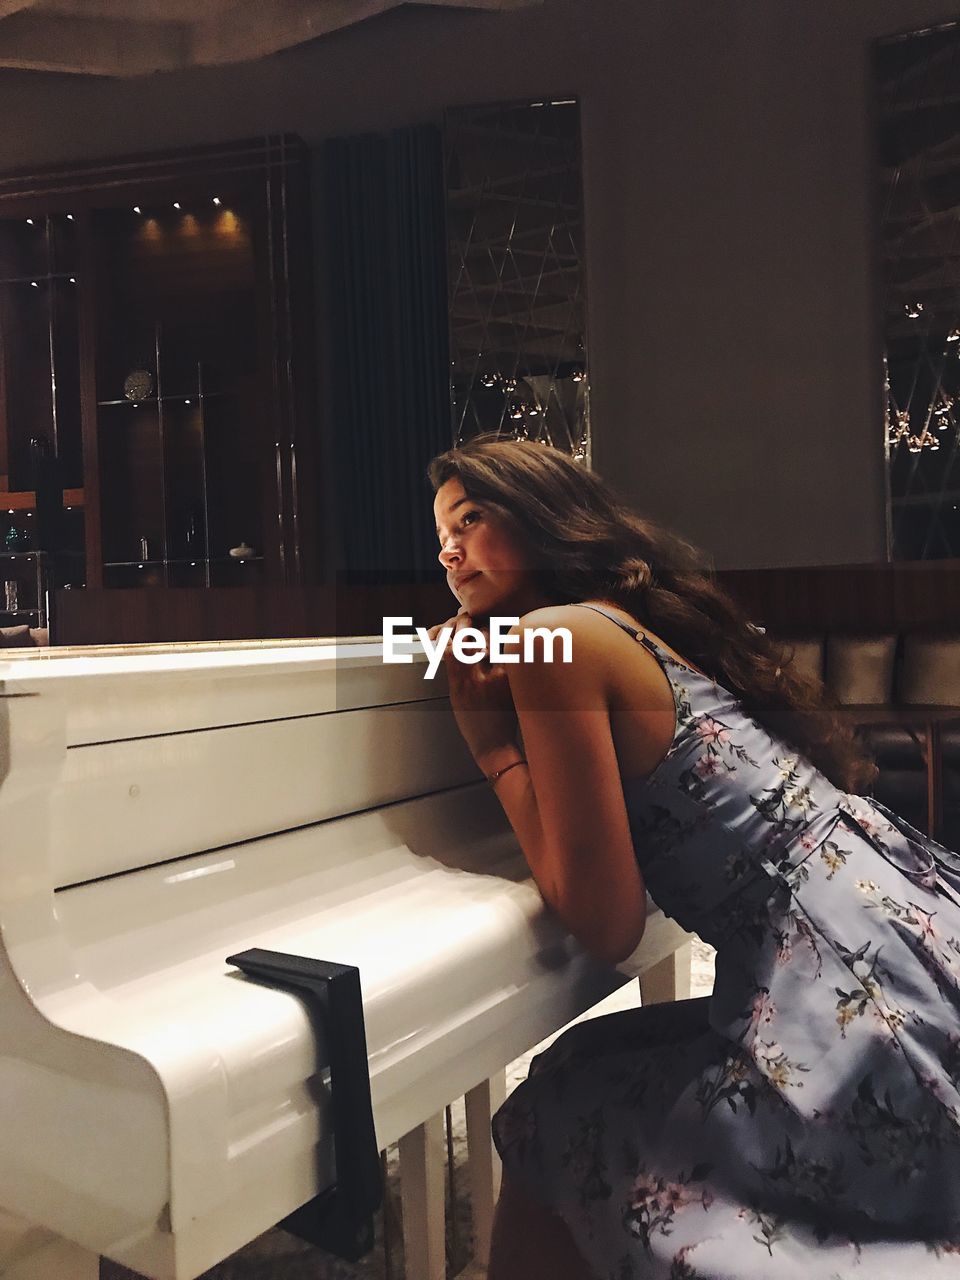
[[669, 979], [481, 1103], [422, 1200]]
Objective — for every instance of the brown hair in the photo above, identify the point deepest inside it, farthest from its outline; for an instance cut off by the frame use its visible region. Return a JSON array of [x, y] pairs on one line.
[[589, 545]]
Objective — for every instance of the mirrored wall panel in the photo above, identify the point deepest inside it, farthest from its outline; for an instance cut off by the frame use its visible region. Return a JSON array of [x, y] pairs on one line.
[[918, 113], [516, 273]]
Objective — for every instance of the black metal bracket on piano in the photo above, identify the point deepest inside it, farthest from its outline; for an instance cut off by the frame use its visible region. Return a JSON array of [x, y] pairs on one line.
[[340, 1218]]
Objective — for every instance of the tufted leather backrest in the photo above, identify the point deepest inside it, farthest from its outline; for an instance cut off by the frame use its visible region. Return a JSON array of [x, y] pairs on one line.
[[931, 667], [879, 669], [860, 668], [807, 654], [23, 637]]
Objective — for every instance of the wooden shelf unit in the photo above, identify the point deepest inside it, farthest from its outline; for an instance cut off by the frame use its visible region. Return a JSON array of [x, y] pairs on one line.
[[195, 267], [26, 499]]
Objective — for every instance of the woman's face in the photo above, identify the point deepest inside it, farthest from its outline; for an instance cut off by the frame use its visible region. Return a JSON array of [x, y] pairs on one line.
[[488, 569]]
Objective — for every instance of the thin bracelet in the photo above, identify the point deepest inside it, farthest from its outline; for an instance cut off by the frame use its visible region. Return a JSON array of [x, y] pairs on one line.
[[495, 777]]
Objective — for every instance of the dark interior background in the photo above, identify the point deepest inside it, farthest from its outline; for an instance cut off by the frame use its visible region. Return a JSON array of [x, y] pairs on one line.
[[730, 211]]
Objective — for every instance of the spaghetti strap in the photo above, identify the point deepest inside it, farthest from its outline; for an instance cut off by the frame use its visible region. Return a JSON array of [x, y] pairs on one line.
[[663, 655], [657, 650], [631, 631]]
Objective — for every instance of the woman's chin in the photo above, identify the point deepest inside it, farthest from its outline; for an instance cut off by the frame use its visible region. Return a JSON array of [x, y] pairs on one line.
[[475, 604], [479, 604], [482, 599]]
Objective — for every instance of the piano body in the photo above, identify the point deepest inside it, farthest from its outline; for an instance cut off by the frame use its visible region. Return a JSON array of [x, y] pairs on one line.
[[165, 807]]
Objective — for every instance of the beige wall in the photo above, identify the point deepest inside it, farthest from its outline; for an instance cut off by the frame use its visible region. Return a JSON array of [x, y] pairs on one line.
[[729, 188]]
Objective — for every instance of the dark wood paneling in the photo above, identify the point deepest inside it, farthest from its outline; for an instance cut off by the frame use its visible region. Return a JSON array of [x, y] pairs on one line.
[[881, 597], [846, 597], [119, 616]]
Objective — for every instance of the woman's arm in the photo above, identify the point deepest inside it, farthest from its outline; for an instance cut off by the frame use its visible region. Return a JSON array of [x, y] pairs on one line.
[[566, 806]]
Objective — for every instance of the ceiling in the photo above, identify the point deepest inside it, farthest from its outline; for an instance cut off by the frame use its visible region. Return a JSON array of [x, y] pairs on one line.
[[136, 37]]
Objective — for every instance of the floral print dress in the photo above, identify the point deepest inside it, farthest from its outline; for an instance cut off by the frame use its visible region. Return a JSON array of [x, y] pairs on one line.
[[803, 1122]]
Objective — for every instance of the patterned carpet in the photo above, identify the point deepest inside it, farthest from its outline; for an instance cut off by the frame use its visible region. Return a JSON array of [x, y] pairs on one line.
[[279, 1256]]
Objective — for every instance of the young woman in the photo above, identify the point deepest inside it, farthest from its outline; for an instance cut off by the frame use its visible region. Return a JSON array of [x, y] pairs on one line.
[[804, 1121]]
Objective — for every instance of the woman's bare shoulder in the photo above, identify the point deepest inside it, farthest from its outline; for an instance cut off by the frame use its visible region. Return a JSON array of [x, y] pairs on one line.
[[593, 630], [597, 646], [644, 630], [584, 625]]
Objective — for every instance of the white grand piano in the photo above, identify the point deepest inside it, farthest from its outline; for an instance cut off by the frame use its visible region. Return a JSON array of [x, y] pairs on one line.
[[163, 808]]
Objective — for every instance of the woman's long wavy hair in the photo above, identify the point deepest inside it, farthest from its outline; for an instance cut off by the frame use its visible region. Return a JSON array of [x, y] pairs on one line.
[[590, 546]]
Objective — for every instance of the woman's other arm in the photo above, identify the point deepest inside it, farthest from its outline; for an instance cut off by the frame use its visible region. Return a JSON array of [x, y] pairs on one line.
[[567, 807]]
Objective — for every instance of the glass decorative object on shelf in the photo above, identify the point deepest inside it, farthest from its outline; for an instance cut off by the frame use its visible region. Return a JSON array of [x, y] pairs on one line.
[[516, 274], [191, 535], [138, 385], [16, 540], [919, 153], [10, 595]]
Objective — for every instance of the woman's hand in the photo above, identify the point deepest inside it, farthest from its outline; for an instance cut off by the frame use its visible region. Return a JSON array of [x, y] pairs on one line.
[[481, 699]]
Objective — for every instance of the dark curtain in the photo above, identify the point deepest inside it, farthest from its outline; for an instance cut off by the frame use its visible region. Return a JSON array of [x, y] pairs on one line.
[[389, 347]]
